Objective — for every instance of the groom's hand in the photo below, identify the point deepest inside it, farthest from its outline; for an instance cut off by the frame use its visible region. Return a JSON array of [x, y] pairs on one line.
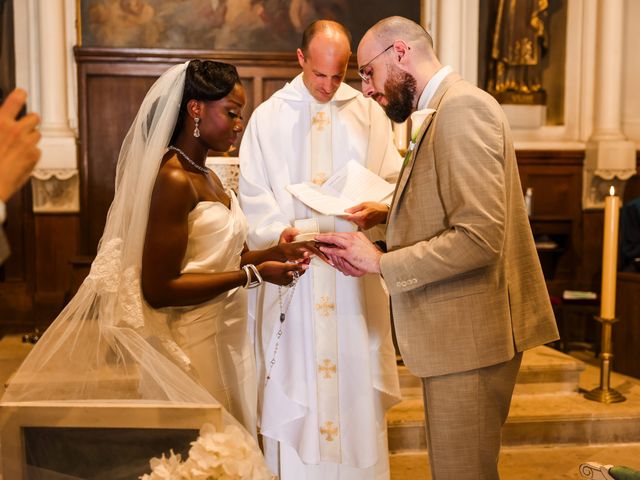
[[345, 267], [361, 256]]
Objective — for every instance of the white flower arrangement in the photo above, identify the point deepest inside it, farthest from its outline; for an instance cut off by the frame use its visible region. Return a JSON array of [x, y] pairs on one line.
[[229, 455]]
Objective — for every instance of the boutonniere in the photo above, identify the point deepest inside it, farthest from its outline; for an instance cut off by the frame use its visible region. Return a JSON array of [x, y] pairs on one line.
[[412, 146], [418, 118]]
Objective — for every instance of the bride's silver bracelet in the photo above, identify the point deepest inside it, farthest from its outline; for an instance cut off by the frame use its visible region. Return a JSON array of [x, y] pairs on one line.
[[248, 269]]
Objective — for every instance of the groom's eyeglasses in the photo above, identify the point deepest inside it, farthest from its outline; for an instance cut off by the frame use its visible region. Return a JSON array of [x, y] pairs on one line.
[[366, 71]]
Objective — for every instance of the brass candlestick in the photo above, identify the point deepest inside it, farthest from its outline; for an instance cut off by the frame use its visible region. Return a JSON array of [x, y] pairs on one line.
[[604, 393]]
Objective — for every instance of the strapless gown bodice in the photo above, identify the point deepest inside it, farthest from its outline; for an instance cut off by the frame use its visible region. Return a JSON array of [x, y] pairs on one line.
[[216, 237]]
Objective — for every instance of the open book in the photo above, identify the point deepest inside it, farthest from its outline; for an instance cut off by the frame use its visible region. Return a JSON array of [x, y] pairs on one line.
[[349, 186]]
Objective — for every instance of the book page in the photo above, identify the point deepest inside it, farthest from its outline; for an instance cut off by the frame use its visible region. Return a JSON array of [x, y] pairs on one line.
[[349, 186], [325, 202], [358, 184]]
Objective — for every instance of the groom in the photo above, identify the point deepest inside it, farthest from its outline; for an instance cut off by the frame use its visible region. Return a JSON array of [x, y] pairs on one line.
[[467, 290]]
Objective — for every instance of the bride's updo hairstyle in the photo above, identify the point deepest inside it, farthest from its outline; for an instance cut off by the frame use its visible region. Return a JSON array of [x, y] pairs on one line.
[[206, 80]]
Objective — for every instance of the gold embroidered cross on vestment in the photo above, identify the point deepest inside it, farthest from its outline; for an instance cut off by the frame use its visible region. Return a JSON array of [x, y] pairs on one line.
[[325, 307], [320, 120], [327, 368], [329, 431]]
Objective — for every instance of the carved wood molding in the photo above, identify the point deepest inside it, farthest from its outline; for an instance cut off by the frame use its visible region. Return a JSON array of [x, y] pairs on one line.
[[146, 55], [555, 157]]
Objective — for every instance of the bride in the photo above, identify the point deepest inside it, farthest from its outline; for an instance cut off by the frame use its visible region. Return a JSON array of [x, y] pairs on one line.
[[162, 315], [195, 252]]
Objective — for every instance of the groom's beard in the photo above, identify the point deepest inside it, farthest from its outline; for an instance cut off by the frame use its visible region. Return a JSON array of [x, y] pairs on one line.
[[400, 91]]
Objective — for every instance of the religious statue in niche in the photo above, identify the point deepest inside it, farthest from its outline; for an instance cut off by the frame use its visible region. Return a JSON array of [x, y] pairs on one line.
[[518, 45]]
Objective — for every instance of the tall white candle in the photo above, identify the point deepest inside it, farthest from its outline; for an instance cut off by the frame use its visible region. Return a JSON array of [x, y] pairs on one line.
[[610, 255]]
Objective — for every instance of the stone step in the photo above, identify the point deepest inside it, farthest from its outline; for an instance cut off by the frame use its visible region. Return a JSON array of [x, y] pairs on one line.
[[543, 371], [535, 420], [518, 463]]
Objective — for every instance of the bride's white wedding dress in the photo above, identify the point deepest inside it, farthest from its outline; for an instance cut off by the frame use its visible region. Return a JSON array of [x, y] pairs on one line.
[[214, 334]]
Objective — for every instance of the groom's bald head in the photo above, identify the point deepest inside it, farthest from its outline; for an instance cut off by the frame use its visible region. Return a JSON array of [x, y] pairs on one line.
[[390, 29]]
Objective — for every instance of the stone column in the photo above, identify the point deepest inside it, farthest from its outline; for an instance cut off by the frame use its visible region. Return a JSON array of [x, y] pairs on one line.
[[449, 32], [608, 154], [53, 82], [456, 36], [58, 165]]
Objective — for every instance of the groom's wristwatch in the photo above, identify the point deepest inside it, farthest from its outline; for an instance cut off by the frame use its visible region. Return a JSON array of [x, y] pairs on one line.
[[382, 245], [257, 279]]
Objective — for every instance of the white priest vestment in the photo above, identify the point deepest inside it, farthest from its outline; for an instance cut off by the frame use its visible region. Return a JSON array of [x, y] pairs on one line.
[[335, 373]]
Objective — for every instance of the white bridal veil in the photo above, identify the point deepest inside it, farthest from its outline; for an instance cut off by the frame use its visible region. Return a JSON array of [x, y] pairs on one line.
[[104, 347]]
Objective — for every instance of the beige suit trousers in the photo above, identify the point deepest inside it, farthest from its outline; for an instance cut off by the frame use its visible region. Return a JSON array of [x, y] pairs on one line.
[[464, 414]]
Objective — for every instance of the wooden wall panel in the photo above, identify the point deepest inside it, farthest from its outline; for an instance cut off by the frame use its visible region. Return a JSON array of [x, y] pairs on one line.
[[17, 229], [113, 102], [588, 275], [17, 273], [626, 332], [56, 245], [272, 85], [556, 180]]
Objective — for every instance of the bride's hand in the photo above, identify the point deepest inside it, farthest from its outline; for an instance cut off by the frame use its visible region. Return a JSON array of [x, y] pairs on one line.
[[301, 251], [281, 273], [288, 235]]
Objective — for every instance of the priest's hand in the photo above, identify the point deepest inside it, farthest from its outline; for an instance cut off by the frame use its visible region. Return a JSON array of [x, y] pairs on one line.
[[361, 256], [367, 214]]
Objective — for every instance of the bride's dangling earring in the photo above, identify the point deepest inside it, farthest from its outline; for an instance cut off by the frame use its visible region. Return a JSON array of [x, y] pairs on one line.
[[196, 130]]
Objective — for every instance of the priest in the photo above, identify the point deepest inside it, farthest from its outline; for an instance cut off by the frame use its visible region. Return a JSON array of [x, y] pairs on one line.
[[324, 346]]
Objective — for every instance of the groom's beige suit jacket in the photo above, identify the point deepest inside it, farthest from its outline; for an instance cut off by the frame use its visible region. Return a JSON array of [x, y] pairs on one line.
[[466, 286]]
